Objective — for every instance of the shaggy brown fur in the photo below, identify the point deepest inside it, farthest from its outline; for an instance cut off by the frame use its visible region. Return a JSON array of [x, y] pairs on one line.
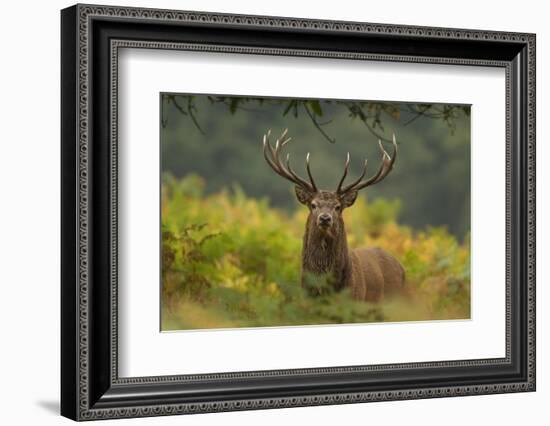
[[328, 264]]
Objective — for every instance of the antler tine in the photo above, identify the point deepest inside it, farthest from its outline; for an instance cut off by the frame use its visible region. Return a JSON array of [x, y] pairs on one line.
[[274, 161], [285, 131], [356, 181], [274, 152], [385, 167], [309, 174], [288, 172], [269, 160], [383, 171], [298, 179], [346, 167], [388, 161], [267, 144], [281, 141], [266, 141]]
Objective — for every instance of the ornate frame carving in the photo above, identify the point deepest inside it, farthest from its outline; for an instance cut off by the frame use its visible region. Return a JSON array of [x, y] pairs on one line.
[[91, 388]]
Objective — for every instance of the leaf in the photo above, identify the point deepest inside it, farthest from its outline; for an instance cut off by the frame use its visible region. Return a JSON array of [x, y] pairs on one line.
[[316, 107], [288, 107], [230, 260], [234, 103], [396, 114]]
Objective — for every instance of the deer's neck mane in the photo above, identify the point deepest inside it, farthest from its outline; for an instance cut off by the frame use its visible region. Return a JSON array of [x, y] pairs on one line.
[[326, 254]]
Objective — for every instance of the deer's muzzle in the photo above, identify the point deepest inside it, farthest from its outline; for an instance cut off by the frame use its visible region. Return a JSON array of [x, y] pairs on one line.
[[324, 220]]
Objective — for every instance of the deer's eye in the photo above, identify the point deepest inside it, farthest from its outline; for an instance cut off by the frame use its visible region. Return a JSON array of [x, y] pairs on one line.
[[337, 208], [313, 206]]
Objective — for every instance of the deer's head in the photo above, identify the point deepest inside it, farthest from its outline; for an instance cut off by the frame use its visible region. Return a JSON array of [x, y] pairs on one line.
[[325, 207]]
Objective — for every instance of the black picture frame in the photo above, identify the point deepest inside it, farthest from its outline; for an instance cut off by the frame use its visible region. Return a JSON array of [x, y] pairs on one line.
[[90, 386]]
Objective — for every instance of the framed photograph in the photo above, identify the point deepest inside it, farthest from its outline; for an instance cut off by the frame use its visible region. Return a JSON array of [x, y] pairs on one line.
[[263, 212]]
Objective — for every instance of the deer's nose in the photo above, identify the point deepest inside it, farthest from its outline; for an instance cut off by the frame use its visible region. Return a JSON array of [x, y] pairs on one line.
[[325, 218]]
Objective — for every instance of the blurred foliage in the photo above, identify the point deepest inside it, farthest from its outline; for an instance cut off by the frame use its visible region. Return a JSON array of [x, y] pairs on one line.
[[230, 260], [219, 138], [370, 113]]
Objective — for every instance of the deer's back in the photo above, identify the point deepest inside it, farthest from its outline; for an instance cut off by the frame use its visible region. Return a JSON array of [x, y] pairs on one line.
[[375, 274]]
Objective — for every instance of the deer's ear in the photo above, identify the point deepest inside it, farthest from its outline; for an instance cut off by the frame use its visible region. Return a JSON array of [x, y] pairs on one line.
[[348, 198], [304, 196]]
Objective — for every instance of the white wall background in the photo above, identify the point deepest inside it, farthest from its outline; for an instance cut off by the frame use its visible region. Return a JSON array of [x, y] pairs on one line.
[[29, 212]]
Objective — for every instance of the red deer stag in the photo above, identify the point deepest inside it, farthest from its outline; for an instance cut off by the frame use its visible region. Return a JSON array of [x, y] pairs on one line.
[[327, 263]]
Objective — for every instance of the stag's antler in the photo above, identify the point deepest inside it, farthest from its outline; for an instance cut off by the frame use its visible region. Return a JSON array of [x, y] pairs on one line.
[[274, 160], [383, 171]]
